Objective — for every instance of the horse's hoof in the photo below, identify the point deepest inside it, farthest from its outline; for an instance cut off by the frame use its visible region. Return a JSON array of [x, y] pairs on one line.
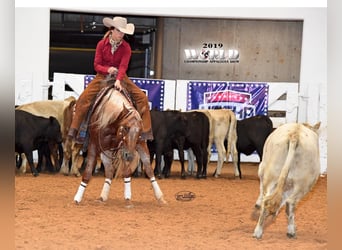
[[77, 174], [100, 199], [129, 204], [161, 201], [76, 202]]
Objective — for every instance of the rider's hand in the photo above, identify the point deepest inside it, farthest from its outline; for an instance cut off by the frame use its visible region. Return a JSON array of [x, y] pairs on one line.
[[112, 70], [117, 85]]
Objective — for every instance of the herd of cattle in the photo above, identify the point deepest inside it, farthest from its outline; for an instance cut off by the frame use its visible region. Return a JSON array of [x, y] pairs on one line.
[[197, 130], [289, 154]]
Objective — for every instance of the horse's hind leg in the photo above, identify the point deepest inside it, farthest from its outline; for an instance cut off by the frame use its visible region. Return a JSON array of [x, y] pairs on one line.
[[145, 159]]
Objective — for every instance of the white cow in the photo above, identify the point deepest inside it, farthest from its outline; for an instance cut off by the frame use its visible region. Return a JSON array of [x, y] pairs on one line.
[[222, 127], [289, 168]]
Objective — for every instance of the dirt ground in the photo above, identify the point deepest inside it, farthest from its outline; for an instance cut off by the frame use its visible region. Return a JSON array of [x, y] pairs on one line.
[[219, 217]]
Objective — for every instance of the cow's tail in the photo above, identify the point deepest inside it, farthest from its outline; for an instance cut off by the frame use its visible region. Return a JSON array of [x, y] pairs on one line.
[[231, 137], [273, 201]]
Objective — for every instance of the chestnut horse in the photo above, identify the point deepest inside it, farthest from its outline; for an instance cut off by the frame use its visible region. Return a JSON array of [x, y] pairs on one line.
[[114, 135]]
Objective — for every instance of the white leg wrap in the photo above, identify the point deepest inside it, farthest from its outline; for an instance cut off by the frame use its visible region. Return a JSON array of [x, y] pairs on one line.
[[105, 190], [157, 192], [80, 192], [127, 191]]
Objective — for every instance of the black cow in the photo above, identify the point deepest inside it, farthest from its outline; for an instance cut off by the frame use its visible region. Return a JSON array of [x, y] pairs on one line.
[[46, 150], [251, 135], [165, 125], [32, 131], [180, 130]]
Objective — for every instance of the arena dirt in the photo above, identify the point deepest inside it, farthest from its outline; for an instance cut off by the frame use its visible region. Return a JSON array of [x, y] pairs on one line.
[[218, 217]]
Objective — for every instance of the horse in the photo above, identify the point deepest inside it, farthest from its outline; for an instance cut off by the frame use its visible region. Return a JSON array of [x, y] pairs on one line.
[[114, 135]]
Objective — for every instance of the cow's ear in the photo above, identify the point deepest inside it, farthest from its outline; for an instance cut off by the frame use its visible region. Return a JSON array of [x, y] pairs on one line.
[[316, 126], [51, 118]]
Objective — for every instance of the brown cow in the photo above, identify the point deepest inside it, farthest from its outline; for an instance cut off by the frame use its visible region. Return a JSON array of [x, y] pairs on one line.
[[222, 124], [289, 168]]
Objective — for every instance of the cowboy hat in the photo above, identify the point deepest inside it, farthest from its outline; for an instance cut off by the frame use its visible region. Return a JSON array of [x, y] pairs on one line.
[[120, 23]]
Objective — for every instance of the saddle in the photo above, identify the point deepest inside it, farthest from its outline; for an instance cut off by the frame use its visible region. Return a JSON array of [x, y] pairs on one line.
[[83, 135]]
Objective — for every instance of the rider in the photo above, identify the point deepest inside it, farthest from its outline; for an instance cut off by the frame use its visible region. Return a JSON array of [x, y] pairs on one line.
[[112, 57]]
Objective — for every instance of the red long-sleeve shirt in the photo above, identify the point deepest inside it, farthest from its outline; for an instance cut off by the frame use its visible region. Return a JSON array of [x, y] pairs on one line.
[[104, 58]]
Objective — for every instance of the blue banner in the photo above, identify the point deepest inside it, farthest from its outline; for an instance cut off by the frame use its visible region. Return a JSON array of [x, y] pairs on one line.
[[245, 99], [154, 89]]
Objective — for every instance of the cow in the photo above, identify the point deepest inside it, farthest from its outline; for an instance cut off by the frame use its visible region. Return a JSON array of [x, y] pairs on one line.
[[179, 130], [31, 131], [251, 136], [222, 127], [195, 136], [45, 150], [62, 110], [289, 169], [165, 126]]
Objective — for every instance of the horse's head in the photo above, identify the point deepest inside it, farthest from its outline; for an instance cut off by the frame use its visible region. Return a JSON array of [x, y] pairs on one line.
[[129, 137], [129, 130]]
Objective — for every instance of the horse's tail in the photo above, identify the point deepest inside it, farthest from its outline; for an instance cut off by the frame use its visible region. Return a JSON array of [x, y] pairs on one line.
[[273, 201]]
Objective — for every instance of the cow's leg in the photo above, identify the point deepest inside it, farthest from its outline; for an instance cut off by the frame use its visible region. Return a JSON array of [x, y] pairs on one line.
[[238, 162], [54, 151], [191, 162], [98, 166], [157, 168], [23, 163], [205, 162], [60, 156], [261, 189], [29, 157], [199, 160], [234, 154], [181, 159], [66, 156], [51, 150], [290, 212], [168, 158], [40, 159], [75, 155], [220, 157], [258, 231], [109, 173], [87, 172], [145, 159]]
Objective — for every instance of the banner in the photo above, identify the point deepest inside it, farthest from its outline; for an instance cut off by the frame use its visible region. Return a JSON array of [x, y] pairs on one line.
[[245, 99], [154, 89]]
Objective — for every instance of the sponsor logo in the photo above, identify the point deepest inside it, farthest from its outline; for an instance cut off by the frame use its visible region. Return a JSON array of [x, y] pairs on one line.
[[211, 53], [185, 196]]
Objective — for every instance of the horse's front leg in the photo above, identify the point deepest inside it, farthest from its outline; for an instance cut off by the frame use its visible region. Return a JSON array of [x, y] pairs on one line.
[[109, 173], [87, 172], [145, 159]]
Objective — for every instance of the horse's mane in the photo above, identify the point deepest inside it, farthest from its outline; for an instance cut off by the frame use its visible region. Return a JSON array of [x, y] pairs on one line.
[[111, 107]]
